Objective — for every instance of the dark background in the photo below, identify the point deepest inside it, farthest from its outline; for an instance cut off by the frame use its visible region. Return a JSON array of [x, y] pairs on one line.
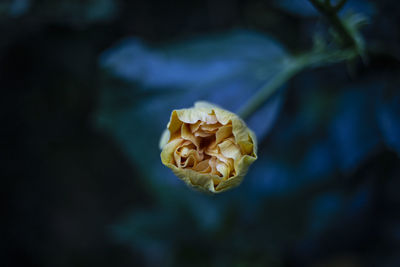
[[324, 192]]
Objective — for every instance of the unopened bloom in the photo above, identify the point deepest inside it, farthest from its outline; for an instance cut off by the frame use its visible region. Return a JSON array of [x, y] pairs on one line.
[[209, 148]]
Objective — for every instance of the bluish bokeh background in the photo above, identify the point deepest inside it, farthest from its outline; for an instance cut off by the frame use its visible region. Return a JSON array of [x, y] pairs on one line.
[[88, 87]]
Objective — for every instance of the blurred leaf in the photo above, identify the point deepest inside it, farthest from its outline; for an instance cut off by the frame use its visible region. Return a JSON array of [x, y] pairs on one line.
[[354, 132], [330, 130], [324, 210], [195, 63]]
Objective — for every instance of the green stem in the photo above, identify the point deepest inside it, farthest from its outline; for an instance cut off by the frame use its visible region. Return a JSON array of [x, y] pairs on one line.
[[258, 99], [312, 59], [330, 13]]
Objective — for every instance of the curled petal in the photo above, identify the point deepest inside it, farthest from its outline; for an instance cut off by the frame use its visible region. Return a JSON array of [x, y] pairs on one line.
[[230, 150], [191, 116], [194, 127], [168, 151], [211, 128], [202, 166], [188, 135], [223, 133], [202, 133]]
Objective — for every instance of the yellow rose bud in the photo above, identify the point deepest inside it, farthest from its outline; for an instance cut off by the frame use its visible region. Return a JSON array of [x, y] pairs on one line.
[[209, 148]]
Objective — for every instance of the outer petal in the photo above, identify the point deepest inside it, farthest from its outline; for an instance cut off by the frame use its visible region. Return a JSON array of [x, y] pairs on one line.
[[174, 123], [205, 104], [167, 154], [234, 181], [164, 138], [192, 115], [224, 116], [222, 133], [201, 181], [244, 137]]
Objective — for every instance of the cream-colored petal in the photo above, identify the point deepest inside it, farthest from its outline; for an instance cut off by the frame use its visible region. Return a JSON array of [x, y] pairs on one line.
[[228, 184], [194, 127], [223, 169], [185, 152], [213, 165], [178, 151], [212, 151], [210, 127], [175, 123], [223, 133], [223, 116], [205, 104], [239, 129], [246, 148], [201, 166], [201, 133], [253, 138], [234, 181], [201, 181], [177, 158], [190, 161], [237, 179], [244, 137], [196, 154], [227, 161], [187, 135], [211, 119], [217, 180], [230, 150], [193, 115], [168, 151], [164, 138], [207, 170], [187, 143], [216, 153]]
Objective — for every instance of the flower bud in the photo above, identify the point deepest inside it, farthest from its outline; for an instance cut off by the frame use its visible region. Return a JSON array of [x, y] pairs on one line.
[[209, 148]]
